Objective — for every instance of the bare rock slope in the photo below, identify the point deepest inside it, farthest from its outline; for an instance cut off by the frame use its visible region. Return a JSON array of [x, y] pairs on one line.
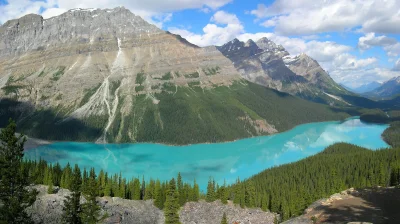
[[48, 209], [269, 64]]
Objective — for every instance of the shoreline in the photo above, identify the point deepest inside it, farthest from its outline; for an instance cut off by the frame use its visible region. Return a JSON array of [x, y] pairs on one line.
[[34, 142]]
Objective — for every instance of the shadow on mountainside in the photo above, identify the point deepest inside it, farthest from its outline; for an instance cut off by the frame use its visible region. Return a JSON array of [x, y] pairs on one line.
[[47, 124], [378, 205]]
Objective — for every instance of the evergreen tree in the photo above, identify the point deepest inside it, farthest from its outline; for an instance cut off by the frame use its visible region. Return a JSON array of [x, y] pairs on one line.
[[50, 189], [171, 206], [210, 191], [158, 200], [13, 178], [224, 219], [72, 208], [182, 198], [91, 210]]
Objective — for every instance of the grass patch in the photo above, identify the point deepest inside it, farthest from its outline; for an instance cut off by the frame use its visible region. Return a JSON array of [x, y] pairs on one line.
[[193, 84], [88, 94], [168, 87], [212, 71], [139, 88], [140, 78], [41, 73], [57, 75], [192, 75], [155, 86], [167, 76]]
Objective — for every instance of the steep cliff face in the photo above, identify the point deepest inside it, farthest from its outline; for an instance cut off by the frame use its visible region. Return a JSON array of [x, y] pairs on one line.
[[91, 62], [109, 76], [268, 64]]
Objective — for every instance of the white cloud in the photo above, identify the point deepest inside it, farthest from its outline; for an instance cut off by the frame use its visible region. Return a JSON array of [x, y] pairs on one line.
[[370, 40], [212, 33], [397, 65], [299, 17], [358, 77], [394, 50], [224, 18]]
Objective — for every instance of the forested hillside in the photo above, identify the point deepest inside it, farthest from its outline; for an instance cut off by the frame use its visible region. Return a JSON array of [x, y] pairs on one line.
[[180, 115], [289, 189]]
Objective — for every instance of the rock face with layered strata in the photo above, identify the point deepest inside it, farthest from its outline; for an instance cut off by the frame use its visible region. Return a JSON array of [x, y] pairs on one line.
[[270, 65]]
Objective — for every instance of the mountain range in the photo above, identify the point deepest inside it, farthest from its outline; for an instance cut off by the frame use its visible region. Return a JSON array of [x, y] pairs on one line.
[[388, 89], [109, 76], [365, 88]]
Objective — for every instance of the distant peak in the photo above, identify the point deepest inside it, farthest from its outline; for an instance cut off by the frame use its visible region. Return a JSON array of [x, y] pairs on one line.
[[263, 39], [250, 42]]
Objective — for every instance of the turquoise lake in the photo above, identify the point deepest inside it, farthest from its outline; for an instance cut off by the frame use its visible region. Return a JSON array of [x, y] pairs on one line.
[[222, 161]]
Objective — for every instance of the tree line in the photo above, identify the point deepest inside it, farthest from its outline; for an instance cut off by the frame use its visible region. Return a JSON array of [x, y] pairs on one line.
[[286, 189]]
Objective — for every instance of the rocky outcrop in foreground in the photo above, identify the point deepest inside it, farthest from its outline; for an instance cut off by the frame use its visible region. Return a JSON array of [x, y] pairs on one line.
[[48, 209], [370, 205]]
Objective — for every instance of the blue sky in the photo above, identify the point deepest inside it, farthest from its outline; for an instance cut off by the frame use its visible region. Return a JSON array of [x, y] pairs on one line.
[[356, 41]]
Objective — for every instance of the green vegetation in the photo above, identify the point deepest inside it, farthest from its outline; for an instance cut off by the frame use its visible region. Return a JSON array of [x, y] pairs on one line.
[[14, 195], [192, 75], [169, 196], [167, 76], [59, 96], [190, 115], [140, 78], [11, 87], [224, 220], [57, 75], [8, 89], [156, 86], [167, 86], [139, 88], [194, 84], [392, 134], [171, 206], [114, 86], [72, 179], [177, 74], [88, 93], [211, 71], [42, 73], [50, 124], [289, 189]]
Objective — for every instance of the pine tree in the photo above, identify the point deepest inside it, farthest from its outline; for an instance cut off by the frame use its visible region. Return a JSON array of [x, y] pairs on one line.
[[158, 200], [72, 208], [171, 206], [50, 189], [182, 198], [210, 191], [91, 210], [224, 219], [13, 178]]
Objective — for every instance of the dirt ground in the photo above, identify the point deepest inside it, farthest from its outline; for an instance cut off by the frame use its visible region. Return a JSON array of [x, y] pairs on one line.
[[379, 205]]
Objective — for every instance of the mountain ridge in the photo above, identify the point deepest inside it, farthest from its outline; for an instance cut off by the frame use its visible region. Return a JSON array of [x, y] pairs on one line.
[[121, 79], [270, 65], [388, 89]]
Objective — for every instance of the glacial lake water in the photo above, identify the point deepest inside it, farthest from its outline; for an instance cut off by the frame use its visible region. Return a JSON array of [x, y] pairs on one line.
[[222, 161]]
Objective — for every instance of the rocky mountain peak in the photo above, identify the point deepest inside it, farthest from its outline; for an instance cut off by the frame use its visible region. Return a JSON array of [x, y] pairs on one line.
[[250, 43], [74, 27]]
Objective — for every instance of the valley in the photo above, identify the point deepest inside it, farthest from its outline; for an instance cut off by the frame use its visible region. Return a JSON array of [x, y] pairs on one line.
[[143, 126]]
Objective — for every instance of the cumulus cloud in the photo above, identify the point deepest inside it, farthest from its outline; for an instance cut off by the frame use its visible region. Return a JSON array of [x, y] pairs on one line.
[[302, 17], [370, 40], [212, 33], [222, 17]]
